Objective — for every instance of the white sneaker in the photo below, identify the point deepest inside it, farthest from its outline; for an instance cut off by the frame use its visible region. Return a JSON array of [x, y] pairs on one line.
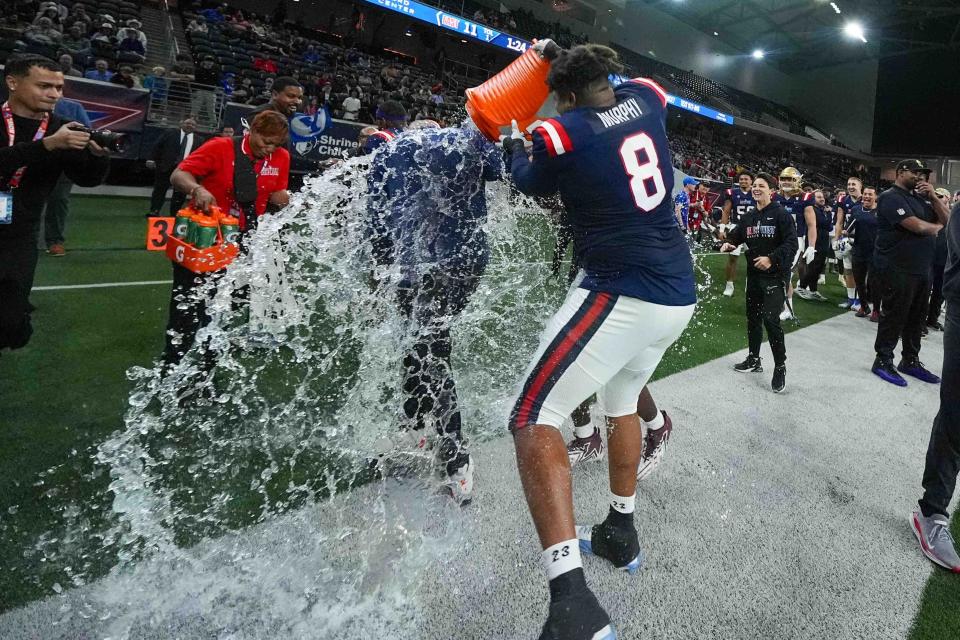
[[728, 291], [460, 483]]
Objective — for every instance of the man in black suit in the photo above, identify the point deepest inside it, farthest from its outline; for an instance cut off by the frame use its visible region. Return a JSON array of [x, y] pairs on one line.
[[173, 146]]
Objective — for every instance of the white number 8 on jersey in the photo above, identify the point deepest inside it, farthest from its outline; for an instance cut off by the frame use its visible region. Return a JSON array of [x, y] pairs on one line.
[[641, 173]]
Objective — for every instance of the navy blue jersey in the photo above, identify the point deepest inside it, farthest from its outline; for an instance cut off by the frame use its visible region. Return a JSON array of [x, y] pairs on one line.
[[379, 138], [427, 203], [741, 202], [795, 205], [612, 169], [824, 218], [847, 204], [863, 229]]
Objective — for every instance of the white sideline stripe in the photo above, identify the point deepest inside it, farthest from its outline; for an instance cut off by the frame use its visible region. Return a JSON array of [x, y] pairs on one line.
[[100, 285]]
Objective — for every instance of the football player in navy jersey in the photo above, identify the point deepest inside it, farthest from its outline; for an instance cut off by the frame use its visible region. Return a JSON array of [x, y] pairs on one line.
[[607, 156], [819, 222], [392, 119], [795, 201], [736, 203], [845, 204], [862, 232]]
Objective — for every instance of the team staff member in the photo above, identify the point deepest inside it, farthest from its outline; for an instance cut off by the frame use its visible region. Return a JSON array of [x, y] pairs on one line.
[[636, 295], [819, 222], [910, 216], [737, 201], [770, 235], [931, 523], [862, 229], [35, 149], [209, 177]]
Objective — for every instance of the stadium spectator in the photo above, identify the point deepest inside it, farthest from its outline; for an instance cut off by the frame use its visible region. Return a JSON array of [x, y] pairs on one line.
[[58, 202], [41, 150], [79, 18], [105, 34], [227, 132], [936, 271], [206, 81], [42, 37], [242, 176], [66, 66], [52, 14], [906, 243], [311, 55], [76, 43], [198, 25], [100, 72], [178, 93], [124, 77], [351, 106], [931, 523], [131, 49], [171, 147], [156, 82], [133, 29]]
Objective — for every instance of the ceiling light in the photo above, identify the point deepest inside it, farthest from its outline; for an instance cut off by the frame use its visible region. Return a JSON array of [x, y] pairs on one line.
[[758, 54], [855, 30], [835, 7], [715, 33]]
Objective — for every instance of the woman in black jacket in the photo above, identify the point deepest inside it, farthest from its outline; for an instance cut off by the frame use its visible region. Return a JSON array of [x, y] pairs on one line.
[[770, 234]]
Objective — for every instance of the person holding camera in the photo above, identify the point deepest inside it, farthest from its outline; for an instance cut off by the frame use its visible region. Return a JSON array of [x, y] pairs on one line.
[[770, 235], [38, 147]]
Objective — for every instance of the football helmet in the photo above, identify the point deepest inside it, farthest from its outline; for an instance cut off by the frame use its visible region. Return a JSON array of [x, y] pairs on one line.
[[790, 181]]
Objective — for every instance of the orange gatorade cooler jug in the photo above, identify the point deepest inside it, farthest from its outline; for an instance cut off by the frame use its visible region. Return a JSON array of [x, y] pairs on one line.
[[516, 93]]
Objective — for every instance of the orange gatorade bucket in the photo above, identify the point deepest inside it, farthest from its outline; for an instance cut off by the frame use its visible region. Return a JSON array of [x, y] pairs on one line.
[[516, 93], [204, 250]]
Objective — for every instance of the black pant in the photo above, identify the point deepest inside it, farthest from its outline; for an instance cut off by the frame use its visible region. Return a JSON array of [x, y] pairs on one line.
[[765, 298], [903, 312], [867, 290], [18, 263], [812, 274], [161, 183], [188, 313], [943, 452], [431, 302], [936, 293]]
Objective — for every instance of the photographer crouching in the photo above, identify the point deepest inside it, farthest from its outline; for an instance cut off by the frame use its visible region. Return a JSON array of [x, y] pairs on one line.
[[245, 176], [38, 147]]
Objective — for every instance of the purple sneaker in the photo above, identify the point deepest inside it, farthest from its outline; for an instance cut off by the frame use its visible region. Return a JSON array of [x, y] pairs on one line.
[[918, 371], [886, 371]]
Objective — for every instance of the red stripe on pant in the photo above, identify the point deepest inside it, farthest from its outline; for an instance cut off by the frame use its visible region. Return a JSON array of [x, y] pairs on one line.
[[574, 335]]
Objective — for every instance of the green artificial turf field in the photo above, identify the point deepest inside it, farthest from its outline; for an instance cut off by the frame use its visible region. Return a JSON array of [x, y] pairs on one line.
[[67, 390]]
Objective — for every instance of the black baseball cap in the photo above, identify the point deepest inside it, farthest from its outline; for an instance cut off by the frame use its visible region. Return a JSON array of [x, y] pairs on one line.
[[914, 165]]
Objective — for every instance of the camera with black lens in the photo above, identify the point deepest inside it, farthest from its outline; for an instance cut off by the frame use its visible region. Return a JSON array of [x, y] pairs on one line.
[[109, 140]]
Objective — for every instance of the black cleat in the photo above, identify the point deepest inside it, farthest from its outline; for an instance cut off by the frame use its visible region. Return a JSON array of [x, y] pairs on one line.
[[751, 365], [577, 617], [617, 543], [779, 382]]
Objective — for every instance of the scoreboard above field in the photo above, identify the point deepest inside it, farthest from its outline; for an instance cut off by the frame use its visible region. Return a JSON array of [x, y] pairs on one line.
[[452, 22]]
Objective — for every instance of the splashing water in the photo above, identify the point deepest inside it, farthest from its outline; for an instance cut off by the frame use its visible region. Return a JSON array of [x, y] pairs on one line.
[[240, 480]]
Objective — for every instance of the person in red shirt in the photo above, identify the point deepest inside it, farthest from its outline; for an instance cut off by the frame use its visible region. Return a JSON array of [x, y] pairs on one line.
[[208, 176]]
